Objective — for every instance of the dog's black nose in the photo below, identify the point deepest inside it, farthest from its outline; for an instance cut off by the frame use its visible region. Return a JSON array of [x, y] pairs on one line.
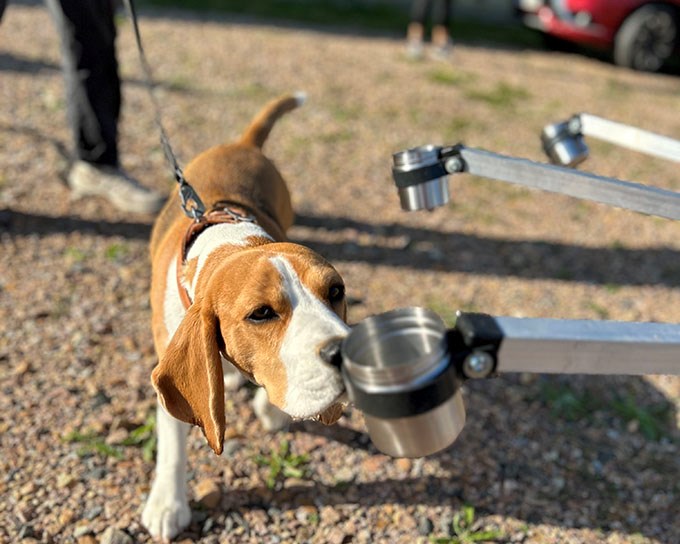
[[330, 352]]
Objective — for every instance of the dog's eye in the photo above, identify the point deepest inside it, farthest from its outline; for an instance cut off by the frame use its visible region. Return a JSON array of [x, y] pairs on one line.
[[263, 313], [336, 293]]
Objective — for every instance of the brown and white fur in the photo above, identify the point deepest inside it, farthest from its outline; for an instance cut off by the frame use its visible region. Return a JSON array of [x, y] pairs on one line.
[[261, 307]]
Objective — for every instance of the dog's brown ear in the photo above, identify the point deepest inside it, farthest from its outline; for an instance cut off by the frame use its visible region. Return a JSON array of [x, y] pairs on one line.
[[188, 378]]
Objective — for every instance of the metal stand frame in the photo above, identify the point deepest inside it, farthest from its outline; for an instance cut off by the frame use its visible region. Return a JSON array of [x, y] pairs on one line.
[[563, 142], [481, 345]]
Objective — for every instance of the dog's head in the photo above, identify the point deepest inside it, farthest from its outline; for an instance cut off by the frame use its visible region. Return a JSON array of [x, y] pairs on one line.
[[276, 312]]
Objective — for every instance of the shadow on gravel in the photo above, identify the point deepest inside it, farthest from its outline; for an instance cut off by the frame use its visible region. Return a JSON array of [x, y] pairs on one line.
[[25, 224], [528, 453], [425, 249], [13, 63]]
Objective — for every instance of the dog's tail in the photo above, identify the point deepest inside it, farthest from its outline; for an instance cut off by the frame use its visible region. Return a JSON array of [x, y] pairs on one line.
[[260, 127]]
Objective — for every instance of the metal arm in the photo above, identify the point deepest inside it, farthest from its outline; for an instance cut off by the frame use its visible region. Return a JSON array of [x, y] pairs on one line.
[[563, 142], [420, 175], [561, 346]]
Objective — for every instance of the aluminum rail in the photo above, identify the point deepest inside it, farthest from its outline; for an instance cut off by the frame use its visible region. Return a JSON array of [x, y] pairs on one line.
[[564, 346], [622, 194], [630, 137]]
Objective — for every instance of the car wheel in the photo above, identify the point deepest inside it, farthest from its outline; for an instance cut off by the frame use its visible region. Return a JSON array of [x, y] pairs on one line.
[[647, 38]]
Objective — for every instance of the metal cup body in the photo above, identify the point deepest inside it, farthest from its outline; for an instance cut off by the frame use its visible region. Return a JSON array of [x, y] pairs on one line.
[[397, 371], [426, 194], [562, 145]]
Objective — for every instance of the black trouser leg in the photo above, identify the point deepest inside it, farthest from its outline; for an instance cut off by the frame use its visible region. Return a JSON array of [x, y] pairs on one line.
[[87, 31]]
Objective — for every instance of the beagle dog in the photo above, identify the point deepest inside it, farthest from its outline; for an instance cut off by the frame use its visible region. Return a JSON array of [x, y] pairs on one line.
[[231, 298]]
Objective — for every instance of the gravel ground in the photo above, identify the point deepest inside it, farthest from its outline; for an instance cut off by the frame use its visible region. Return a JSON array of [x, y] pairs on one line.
[[542, 459]]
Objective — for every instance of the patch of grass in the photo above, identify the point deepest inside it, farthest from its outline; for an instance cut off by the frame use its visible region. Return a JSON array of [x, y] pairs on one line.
[[336, 136], [467, 531], [502, 96], [116, 252], [449, 76], [75, 254], [652, 421], [455, 129], [566, 403], [91, 443], [282, 464], [445, 311], [614, 88], [346, 113], [600, 311], [144, 437]]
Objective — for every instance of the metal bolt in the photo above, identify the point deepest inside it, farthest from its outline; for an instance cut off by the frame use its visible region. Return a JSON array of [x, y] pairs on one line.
[[453, 165], [478, 364], [574, 125]]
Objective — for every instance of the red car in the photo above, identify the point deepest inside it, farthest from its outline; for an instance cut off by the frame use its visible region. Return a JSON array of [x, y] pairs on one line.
[[641, 34]]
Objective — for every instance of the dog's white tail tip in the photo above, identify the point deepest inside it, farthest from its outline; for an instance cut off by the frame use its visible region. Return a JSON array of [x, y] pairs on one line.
[[300, 97]]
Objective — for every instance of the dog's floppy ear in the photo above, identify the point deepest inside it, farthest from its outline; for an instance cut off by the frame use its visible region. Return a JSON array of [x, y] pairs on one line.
[[188, 378]]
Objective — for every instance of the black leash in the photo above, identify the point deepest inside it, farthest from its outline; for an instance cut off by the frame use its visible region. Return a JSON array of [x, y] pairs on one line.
[[191, 203]]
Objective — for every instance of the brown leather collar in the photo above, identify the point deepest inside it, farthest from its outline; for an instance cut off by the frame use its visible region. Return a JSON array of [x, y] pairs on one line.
[[222, 212]]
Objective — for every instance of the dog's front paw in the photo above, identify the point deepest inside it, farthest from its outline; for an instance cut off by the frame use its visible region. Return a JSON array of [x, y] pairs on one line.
[[166, 512], [270, 416]]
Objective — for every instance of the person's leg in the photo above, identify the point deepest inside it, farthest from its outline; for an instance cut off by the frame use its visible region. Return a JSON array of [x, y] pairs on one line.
[[441, 20], [416, 29], [88, 34]]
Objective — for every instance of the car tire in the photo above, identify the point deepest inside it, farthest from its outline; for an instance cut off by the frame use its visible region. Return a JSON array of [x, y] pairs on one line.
[[647, 38]]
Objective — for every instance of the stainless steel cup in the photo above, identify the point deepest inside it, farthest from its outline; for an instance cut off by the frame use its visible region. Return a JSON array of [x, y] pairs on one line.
[[397, 372], [564, 144], [421, 194]]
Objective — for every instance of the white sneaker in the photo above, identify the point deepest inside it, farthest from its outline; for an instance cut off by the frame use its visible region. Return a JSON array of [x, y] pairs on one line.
[[415, 49], [442, 52], [124, 192]]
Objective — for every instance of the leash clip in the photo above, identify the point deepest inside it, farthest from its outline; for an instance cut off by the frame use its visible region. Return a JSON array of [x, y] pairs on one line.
[[191, 203]]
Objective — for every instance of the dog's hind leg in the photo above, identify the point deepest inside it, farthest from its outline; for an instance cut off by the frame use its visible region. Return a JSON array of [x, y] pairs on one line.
[[167, 512]]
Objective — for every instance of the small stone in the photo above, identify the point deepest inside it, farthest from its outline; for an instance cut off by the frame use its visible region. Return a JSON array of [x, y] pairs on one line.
[[404, 464], [65, 480], [66, 516], [88, 539], [208, 492], [306, 514], [116, 536], [116, 436], [81, 531], [373, 463], [425, 527]]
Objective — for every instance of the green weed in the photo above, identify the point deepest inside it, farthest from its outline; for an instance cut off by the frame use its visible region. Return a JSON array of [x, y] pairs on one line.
[[465, 530], [448, 76], [92, 443], [116, 252], [566, 403], [144, 437], [75, 254], [652, 421], [282, 464]]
